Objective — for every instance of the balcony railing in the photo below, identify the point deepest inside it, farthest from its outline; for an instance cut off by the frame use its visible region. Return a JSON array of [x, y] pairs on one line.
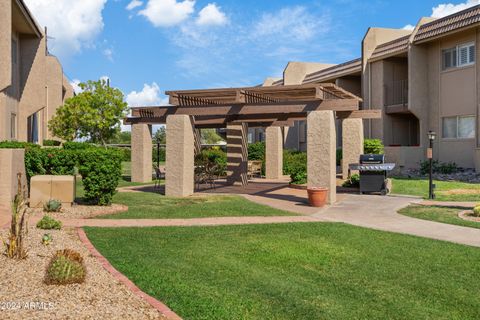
[[396, 93]]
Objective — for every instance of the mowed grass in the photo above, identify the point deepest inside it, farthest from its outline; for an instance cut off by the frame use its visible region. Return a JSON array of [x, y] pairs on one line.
[[296, 271], [419, 187], [438, 214], [146, 205]]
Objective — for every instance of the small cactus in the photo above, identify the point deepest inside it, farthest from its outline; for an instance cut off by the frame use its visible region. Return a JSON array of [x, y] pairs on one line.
[[52, 205], [48, 223], [476, 211], [66, 267], [47, 239]]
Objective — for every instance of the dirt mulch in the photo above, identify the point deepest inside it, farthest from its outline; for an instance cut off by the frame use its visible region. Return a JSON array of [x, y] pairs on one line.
[[23, 295], [80, 211], [468, 215]]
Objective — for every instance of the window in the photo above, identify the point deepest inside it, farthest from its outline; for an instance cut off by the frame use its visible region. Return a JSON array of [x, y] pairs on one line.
[[32, 127], [459, 56], [461, 127], [250, 137], [13, 126]]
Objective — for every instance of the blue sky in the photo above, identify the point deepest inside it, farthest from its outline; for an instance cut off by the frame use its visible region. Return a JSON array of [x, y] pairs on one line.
[[158, 45]]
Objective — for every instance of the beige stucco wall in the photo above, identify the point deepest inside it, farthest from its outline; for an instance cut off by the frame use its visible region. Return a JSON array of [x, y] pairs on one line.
[[54, 87], [12, 162], [295, 72], [5, 44]]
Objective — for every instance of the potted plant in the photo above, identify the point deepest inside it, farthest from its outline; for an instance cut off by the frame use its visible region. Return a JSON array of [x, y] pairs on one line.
[[317, 196]]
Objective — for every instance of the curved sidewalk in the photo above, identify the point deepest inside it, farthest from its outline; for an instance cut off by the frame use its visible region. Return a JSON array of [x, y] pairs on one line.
[[380, 213]]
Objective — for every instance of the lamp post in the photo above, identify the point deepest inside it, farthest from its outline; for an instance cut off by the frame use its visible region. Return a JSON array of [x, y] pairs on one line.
[[431, 138]]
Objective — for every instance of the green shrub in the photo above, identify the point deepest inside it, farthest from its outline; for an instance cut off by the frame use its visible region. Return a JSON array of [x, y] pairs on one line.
[[294, 162], [65, 267], [476, 211], [48, 223], [373, 146], [73, 145], [339, 156], [17, 145], [101, 170], [299, 177], [52, 205], [256, 151], [438, 167], [352, 182], [213, 158], [51, 143]]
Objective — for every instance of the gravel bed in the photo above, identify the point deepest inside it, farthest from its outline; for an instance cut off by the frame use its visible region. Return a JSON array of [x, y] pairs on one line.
[[80, 211], [23, 295]]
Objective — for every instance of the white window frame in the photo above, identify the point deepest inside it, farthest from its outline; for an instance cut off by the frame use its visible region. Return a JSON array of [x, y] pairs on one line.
[[457, 49], [457, 136]]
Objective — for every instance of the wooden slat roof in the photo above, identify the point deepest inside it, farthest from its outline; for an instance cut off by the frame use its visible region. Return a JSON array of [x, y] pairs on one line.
[[257, 106]]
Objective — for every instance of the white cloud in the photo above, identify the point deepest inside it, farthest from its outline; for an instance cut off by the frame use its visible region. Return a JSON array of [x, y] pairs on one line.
[[75, 85], [149, 96], [409, 27], [293, 23], [108, 53], [134, 4], [446, 9], [73, 25], [211, 15], [168, 13]]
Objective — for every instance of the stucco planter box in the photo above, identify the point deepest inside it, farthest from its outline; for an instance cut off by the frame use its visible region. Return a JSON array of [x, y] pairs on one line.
[[46, 187]]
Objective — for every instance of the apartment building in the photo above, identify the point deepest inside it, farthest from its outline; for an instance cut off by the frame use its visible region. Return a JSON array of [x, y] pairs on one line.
[[425, 79], [32, 83]]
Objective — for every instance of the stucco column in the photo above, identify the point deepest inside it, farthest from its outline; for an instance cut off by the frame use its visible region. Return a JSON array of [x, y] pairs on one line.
[[273, 153], [179, 171], [141, 153], [352, 143], [12, 162], [237, 154], [321, 151]]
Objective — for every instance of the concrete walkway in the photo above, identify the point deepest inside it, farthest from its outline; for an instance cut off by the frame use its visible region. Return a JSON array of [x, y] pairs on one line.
[[380, 213], [218, 221]]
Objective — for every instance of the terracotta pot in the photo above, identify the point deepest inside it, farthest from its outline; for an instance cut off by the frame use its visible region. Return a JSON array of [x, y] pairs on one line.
[[317, 197]]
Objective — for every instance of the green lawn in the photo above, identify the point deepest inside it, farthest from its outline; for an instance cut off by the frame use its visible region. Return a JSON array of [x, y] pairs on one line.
[[439, 214], [296, 271], [419, 187], [155, 206]]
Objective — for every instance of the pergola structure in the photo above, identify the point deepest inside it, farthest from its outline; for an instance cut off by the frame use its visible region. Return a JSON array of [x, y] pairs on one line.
[[236, 109]]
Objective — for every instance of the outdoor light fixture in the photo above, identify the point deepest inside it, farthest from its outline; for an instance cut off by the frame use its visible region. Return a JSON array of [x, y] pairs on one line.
[[431, 186]]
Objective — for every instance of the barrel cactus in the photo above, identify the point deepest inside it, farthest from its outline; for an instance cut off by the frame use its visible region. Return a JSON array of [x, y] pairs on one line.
[[52, 205], [476, 211], [66, 267]]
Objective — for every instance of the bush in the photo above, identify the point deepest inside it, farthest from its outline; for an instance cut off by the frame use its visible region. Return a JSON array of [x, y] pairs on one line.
[[65, 267], [213, 157], [256, 151], [476, 211], [352, 182], [101, 170], [339, 156], [48, 223], [73, 145], [18, 145], [126, 153], [299, 177], [294, 162], [51, 143], [52, 205], [438, 167], [373, 146]]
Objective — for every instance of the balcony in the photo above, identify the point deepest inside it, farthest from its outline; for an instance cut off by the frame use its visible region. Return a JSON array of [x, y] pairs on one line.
[[396, 96]]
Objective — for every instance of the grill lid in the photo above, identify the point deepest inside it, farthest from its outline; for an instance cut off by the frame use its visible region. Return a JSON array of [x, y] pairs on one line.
[[372, 158]]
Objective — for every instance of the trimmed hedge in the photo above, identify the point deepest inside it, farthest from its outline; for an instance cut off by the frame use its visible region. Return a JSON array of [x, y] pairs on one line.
[[51, 143], [256, 151], [100, 168], [17, 145], [373, 146]]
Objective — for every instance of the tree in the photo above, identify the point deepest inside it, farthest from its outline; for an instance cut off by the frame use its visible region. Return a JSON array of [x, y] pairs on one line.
[[161, 135], [123, 137], [94, 114], [210, 136]]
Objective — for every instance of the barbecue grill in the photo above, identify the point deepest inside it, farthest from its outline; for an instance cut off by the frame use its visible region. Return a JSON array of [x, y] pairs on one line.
[[373, 173]]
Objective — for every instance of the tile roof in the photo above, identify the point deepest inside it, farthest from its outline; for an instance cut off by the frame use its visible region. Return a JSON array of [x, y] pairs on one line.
[[338, 70], [449, 23], [392, 47]]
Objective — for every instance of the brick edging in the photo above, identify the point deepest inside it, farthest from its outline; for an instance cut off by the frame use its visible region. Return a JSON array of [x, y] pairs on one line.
[[161, 307]]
